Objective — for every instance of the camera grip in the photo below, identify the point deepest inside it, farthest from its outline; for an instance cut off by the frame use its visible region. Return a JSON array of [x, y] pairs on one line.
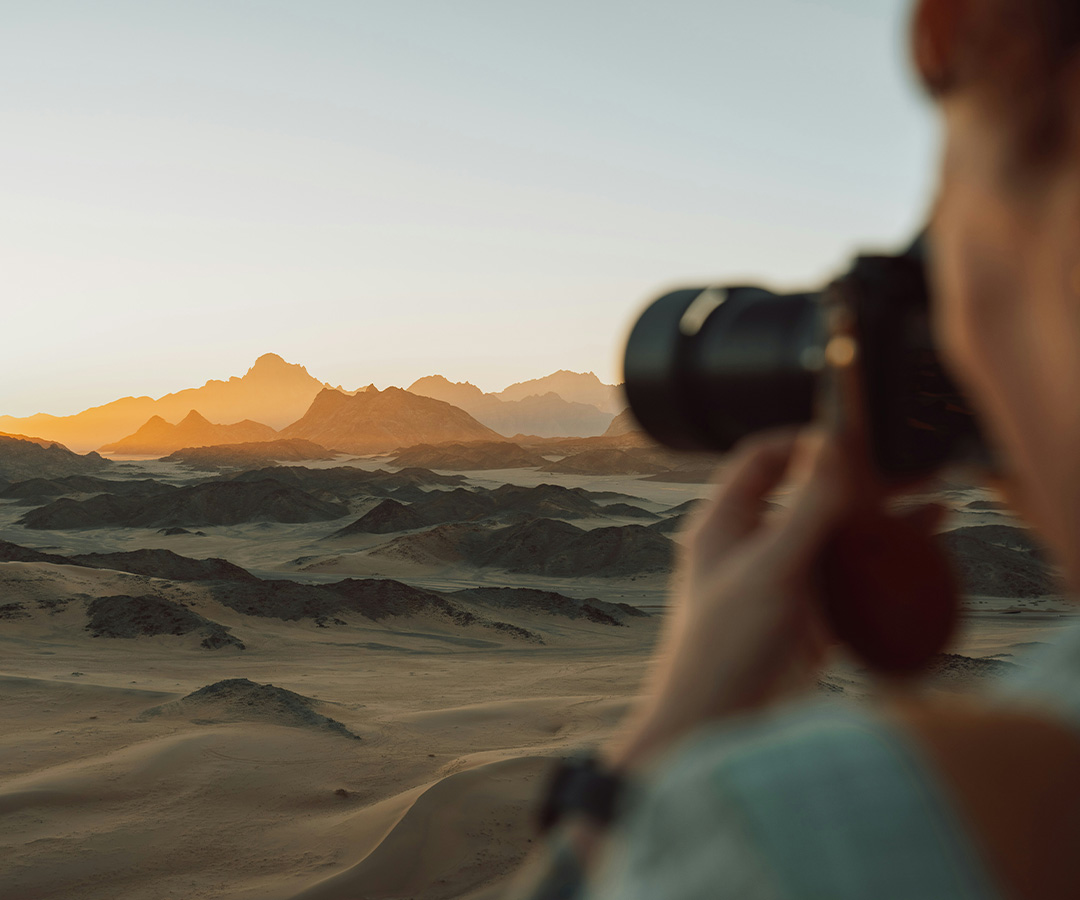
[[888, 593]]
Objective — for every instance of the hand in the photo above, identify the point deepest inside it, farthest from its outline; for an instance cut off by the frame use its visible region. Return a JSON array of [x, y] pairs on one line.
[[746, 625]]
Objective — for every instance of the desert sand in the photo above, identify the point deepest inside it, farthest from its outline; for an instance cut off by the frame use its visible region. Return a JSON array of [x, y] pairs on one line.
[[392, 757]]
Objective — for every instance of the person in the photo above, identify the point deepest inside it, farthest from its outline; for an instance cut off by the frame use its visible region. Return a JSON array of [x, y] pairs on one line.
[[729, 787]]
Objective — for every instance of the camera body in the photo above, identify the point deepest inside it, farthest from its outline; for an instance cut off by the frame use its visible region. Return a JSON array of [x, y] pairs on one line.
[[706, 367]]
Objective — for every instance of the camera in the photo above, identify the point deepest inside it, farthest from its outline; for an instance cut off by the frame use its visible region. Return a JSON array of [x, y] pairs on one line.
[[705, 367]]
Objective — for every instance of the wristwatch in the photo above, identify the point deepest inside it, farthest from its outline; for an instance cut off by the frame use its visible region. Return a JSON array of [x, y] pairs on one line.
[[581, 785]]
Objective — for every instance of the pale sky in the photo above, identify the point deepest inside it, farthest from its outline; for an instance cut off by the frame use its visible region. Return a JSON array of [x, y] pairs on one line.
[[385, 189]]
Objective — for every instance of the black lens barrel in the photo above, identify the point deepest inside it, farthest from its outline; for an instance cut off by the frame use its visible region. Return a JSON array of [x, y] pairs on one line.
[[705, 367]]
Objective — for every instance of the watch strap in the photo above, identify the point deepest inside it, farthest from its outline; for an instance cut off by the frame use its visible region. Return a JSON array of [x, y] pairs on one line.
[[581, 785]]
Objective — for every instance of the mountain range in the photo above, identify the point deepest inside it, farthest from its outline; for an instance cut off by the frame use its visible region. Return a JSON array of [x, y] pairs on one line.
[[157, 437], [272, 392], [576, 387], [546, 414], [275, 399]]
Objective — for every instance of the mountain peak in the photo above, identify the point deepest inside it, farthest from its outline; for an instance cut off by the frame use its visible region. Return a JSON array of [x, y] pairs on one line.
[[272, 364], [194, 417], [460, 393]]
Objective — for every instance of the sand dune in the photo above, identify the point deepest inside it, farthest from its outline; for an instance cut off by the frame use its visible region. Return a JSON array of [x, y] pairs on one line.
[[434, 801], [478, 816], [151, 766], [165, 792]]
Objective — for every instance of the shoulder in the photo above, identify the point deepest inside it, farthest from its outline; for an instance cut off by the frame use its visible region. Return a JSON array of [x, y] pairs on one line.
[[811, 801]]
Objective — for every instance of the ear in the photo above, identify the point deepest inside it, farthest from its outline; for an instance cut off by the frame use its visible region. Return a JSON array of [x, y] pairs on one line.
[[936, 35]]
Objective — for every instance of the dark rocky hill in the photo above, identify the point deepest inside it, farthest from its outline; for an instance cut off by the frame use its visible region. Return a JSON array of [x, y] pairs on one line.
[[128, 617], [540, 547], [21, 460], [211, 503], [999, 561], [372, 599], [252, 453], [386, 518], [242, 700], [15, 553], [39, 490], [612, 461], [509, 502], [468, 457], [165, 564], [349, 482], [552, 603]]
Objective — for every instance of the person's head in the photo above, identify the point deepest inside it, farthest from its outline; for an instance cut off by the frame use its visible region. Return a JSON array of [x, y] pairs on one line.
[[1006, 230]]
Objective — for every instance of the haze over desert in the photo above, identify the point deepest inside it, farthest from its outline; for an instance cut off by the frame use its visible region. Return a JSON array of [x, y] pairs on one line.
[[335, 657]]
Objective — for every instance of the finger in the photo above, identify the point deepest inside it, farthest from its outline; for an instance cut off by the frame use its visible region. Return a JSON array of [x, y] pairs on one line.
[[828, 491], [736, 509]]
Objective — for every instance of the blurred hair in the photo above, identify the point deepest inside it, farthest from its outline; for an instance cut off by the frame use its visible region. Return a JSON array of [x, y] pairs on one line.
[[1015, 44], [1060, 26], [1015, 53]]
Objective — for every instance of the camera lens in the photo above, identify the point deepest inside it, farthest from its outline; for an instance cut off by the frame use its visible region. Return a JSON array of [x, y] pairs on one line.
[[706, 367]]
